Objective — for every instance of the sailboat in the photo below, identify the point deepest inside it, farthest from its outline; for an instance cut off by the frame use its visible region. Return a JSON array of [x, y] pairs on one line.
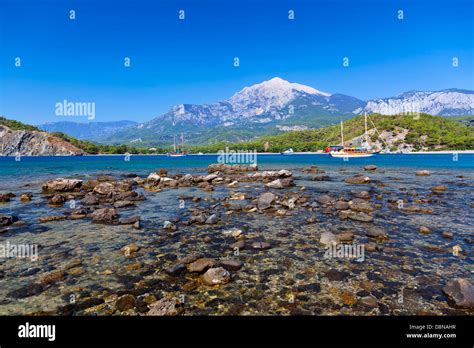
[[287, 152], [178, 152], [339, 151]]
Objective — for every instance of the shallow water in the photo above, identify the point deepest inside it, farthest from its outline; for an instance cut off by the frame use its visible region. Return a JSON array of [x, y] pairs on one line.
[[293, 277]]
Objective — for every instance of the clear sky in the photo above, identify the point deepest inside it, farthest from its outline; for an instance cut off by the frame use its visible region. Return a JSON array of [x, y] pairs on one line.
[[191, 61]]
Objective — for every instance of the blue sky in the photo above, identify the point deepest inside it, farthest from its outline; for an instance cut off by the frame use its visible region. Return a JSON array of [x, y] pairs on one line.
[[191, 61]]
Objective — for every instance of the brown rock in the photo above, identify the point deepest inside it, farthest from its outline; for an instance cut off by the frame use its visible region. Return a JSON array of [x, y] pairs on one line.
[[424, 230], [200, 265], [52, 277], [125, 302], [104, 215], [62, 185], [216, 276]]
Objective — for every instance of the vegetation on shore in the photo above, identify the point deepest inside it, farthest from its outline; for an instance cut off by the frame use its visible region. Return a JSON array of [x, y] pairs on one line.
[[423, 132]]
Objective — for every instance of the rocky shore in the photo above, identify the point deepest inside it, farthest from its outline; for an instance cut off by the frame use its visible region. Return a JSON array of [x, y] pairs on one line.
[[240, 241]]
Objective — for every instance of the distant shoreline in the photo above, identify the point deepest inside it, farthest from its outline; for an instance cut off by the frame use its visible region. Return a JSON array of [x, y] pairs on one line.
[[260, 153]]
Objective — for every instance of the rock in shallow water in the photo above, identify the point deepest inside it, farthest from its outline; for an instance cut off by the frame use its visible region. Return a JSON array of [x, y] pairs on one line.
[[460, 292], [265, 200], [6, 220], [423, 173], [216, 276], [358, 179], [328, 238], [424, 230], [280, 183], [231, 265], [165, 307], [104, 215], [200, 265], [125, 302], [61, 185]]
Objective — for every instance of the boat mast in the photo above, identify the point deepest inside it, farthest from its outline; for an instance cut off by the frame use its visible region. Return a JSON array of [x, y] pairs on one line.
[[365, 119], [174, 143], [342, 135]]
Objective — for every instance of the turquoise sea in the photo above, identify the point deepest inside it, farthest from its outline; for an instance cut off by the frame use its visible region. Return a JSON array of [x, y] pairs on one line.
[[401, 274], [40, 166]]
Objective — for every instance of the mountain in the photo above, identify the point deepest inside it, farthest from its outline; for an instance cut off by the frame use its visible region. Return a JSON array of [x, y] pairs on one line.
[[253, 111], [18, 139], [93, 131], [399, 132], [448, 102], [276, 106]]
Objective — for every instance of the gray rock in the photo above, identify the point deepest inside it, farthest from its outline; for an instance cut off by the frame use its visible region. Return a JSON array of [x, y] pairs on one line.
[[123, 204], [460, 293], [280, 183], [265, 200], [231, 265], [212, 219], [327, 238], [176, 269], [164, 307], [90, 199], [129, 220], [376, 233]]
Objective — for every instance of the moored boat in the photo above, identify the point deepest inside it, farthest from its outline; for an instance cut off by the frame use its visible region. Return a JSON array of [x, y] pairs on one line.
[[342, 151]]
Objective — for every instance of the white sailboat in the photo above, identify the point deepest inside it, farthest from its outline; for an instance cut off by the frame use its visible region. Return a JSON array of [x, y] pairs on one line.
[[177, 152], [341, 151], [288, 152]]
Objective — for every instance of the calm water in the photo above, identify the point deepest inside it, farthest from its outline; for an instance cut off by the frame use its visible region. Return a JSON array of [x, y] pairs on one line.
[[44, 166], [409, 266]]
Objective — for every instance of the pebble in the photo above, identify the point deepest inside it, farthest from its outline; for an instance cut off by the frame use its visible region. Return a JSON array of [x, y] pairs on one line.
[[447, 235], [130, 249], [261, 245], [423, 173], [424, 230]]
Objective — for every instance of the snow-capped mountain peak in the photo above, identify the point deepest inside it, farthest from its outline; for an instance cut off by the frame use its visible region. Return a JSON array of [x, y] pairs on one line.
[[273, 93], [446, 102]]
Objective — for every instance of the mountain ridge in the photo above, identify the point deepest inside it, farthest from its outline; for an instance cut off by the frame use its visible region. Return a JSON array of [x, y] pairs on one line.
[[270, 106]]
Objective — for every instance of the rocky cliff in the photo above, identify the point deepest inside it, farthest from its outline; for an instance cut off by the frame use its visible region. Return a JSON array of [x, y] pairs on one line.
[[34, 143]]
